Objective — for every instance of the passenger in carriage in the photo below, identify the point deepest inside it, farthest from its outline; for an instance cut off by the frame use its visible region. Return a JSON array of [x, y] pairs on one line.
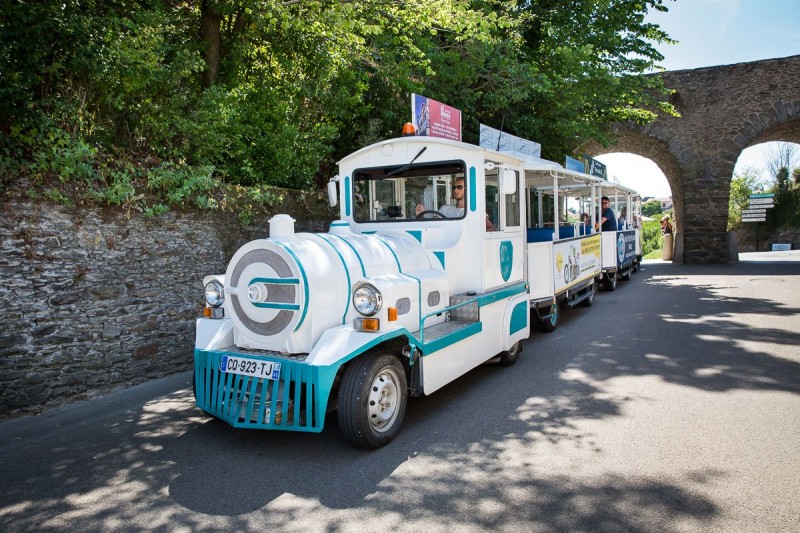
[[608, 222], [622, 220], [586, 220]]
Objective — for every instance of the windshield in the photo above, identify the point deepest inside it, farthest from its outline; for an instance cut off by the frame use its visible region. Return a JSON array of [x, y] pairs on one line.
[[431, 191]]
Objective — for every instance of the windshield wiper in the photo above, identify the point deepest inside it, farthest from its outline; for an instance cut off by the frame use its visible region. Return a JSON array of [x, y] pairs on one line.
[[403, 169]]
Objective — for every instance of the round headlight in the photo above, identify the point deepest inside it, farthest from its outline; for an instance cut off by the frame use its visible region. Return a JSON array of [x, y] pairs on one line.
[[215, 293], [367, 300]]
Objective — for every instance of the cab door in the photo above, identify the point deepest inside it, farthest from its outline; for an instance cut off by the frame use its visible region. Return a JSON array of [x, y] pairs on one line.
[[503, 242]]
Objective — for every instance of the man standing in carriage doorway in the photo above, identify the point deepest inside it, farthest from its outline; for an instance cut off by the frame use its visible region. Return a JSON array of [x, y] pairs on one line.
[[608, 222]]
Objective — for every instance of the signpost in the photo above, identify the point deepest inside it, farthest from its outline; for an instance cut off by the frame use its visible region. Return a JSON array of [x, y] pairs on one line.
[[757, 210]]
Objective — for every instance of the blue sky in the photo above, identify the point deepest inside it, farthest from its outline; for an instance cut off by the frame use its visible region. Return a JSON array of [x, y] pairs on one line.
[[714, 32]]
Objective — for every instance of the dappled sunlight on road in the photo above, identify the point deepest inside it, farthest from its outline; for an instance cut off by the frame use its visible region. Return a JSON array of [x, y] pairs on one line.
[[612, 430]]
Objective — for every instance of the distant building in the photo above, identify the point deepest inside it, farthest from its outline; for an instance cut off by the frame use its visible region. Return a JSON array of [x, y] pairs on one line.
[[666, 203]]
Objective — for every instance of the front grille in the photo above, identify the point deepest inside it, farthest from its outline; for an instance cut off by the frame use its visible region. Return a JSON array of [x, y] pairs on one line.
[[297, 401], [269, 328], [268, 257], [278, 292]]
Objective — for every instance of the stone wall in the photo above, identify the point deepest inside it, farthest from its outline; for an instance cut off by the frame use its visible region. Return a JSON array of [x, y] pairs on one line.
[[724, 110], [93, 302]]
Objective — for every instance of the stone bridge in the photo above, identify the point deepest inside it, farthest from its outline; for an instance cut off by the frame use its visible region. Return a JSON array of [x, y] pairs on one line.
[[724, 110]]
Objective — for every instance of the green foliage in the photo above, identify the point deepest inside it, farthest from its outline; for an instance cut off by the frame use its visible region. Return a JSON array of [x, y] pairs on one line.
[[786, 212], [109, 101], [651, 208], [652, 240], [742, 186]]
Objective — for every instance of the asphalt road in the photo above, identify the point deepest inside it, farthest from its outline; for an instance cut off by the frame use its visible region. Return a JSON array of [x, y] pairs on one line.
[[673, 404]]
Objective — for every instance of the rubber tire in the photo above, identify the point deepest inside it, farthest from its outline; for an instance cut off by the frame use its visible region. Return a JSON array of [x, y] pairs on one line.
[[590, 300], [549, 325], [510, 357], [380, 374], [626, 276], [610, 282]]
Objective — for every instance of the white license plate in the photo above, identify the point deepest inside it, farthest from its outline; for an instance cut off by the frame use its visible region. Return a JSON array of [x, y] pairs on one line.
[[250, 367]]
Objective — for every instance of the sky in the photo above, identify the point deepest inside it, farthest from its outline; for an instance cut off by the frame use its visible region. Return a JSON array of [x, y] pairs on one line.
[[711, 33]]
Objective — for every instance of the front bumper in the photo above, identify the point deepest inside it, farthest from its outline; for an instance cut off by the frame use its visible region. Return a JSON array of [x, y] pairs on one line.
[[296, 401]]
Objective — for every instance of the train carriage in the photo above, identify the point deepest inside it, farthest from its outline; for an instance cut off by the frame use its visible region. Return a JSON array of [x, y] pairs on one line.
[[432, 269]]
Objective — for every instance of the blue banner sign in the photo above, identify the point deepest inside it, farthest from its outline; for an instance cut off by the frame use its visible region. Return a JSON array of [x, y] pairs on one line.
[[574, 164], [594, 167]]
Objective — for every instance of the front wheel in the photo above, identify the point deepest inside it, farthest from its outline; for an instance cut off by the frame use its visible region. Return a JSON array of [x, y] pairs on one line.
[[510, 357], [372, 400], [610, 281]]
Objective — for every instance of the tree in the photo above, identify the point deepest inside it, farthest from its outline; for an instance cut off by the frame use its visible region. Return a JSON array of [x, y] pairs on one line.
[[781, 158], [115, 95], [651, 207], [743, 184]]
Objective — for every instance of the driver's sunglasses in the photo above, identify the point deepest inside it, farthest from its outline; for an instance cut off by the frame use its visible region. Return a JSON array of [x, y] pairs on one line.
[[457, 187]]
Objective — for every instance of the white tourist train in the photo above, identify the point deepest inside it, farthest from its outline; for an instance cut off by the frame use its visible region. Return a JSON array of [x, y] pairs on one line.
[[444, 254]]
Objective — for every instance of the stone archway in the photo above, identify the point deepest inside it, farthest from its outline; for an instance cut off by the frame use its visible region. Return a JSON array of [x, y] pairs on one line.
[[723, 110]]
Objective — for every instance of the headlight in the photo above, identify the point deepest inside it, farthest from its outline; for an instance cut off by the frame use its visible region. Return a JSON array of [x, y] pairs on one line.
[[215, 293], [367, 300]]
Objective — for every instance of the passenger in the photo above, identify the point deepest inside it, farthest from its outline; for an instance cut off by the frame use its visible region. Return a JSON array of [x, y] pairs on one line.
[[608, 222], [586, 221], [622, 220], [666, 227], [457, 210]]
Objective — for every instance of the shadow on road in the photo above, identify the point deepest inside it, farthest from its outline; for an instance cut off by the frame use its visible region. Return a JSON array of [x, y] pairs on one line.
[[462, 449]]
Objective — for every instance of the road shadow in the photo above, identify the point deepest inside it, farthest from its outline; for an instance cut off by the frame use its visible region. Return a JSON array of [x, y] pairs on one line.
[[465, 449], [694, 334]]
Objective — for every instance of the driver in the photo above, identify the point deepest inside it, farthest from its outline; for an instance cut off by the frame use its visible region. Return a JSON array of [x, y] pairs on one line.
[[457, 210], [450, 210]]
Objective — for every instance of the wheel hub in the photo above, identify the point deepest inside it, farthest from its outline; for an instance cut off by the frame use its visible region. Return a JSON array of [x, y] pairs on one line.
[[382, 401]]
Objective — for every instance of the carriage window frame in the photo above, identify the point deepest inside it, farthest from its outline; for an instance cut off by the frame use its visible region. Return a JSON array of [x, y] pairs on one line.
[[439, 174]]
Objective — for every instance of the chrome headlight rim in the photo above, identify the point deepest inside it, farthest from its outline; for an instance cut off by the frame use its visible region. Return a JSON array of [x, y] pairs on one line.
[[367, 299], [214, 293]]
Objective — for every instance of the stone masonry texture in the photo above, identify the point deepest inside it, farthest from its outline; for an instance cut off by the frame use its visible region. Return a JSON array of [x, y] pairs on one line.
[[724, 110], [93, 302]]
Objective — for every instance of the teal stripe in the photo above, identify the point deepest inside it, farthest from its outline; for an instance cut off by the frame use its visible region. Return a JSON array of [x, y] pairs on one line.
[[347, 195], [396, 260], [346, 273], [270, 305], [473, 189], [360, 262], [500, 294], [277, 281], [400, 269], [305, 282], [452, 338], [417, 234], [440, 257]]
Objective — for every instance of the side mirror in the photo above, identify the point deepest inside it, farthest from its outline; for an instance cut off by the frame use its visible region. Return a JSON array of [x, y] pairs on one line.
[[332, 197], [508, 181]]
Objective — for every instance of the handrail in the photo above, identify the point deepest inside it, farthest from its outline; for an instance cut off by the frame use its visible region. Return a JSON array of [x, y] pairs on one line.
[[439, 312]]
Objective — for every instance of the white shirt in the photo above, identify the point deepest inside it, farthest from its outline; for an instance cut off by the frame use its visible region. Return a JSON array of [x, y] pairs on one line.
[[451, 211]]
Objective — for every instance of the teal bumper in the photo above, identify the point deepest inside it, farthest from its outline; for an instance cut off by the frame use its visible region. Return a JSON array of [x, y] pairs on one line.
[[296, 401]]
